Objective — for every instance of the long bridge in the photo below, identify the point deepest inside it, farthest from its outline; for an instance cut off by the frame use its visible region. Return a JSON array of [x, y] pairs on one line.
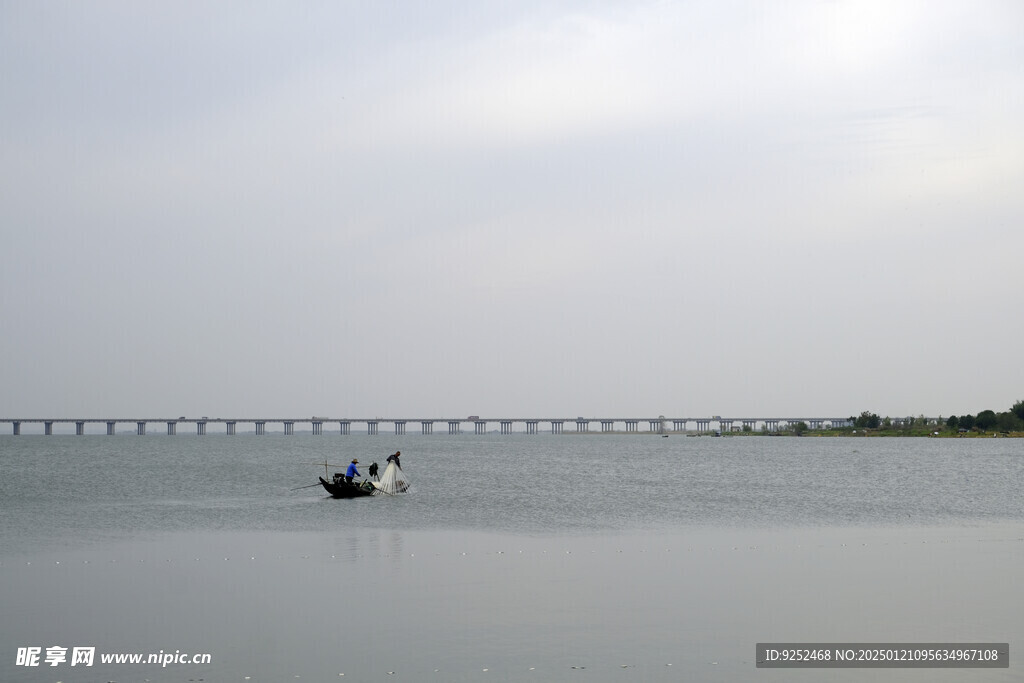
[[479, 425]]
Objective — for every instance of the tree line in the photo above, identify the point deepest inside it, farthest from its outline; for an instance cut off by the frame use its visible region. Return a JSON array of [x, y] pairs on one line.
[[1011, 420]]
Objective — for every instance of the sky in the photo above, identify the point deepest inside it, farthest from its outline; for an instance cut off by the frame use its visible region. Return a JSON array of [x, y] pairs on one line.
[[529, 209]]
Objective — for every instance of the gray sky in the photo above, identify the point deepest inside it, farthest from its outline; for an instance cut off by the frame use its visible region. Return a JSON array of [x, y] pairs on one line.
[[510, 209]]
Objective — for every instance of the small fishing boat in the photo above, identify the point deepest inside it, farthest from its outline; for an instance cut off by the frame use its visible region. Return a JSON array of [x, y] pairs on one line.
[[392, 482], [339, 488]]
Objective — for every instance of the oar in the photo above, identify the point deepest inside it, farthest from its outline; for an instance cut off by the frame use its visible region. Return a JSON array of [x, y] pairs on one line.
[[304, 487]]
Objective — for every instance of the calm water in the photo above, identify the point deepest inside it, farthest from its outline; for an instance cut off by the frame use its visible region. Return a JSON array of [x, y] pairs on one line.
[[536, 558]]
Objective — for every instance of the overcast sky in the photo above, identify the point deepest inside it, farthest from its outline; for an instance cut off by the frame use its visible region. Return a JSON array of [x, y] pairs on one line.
[[511, 209]]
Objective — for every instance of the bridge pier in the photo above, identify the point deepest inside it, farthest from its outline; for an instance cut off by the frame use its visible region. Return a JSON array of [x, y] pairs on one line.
[[345, 427], [679, 425], [79, 428], [453, 426], [607, 426], [17, 429], [140, 428], [289, 428], [506, 426], [631, 425], [426, 427], [371, 428], [556, 426], [725, 425], [229, 428], [582, 426], [531, 426], [703, 425], [750, 423], [771, 425], [479, 427], [48, 428], [261, 427], [656, 425], [172, 428], [399, 427], [318, 428], [200, 428]]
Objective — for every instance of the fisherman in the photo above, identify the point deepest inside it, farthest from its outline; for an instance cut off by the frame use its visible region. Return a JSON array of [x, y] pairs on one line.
[[352, 471], [373, 471], [394, 458]]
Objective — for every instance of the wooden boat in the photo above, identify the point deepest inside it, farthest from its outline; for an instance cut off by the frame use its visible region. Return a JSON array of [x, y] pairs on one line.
[[339, 488]]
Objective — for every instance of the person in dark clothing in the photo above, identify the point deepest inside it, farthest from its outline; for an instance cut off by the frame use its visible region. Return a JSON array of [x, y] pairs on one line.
[[373, 471], [395, 459]]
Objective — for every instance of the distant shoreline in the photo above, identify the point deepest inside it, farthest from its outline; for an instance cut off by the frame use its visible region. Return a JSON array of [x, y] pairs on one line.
[[824, 433]]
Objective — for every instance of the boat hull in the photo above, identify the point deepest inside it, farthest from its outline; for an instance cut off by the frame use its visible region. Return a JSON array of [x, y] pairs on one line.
[[344, 490]]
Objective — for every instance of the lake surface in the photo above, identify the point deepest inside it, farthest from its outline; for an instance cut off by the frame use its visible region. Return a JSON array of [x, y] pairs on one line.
[[515, 557]]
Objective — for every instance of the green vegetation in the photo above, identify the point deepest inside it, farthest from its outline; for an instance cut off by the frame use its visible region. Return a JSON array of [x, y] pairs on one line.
[[986, 423], [867, 420]]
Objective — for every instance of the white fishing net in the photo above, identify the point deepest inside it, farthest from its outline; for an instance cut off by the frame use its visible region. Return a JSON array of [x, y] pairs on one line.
[[391, 482]]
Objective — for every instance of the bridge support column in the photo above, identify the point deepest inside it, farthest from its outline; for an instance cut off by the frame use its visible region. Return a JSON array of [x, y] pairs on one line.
[[506, 426], [172, 428], [582, 425], [556, 426], [79, 428], [318, 428], [679, 425], [631, 425], [345, 427], [453, 427], [140, 428], [399, 428], [426, 427], [371, 428], [479, 427], [607, 426], [261, 428], [289, 428], [656, 425], [725, 425], [229, 428], [531, 426], [703, 425], [110, 428], [47, 428], [17, 429], [200, 428]]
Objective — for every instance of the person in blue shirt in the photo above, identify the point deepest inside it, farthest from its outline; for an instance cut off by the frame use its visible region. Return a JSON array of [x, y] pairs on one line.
[[352, 471]]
